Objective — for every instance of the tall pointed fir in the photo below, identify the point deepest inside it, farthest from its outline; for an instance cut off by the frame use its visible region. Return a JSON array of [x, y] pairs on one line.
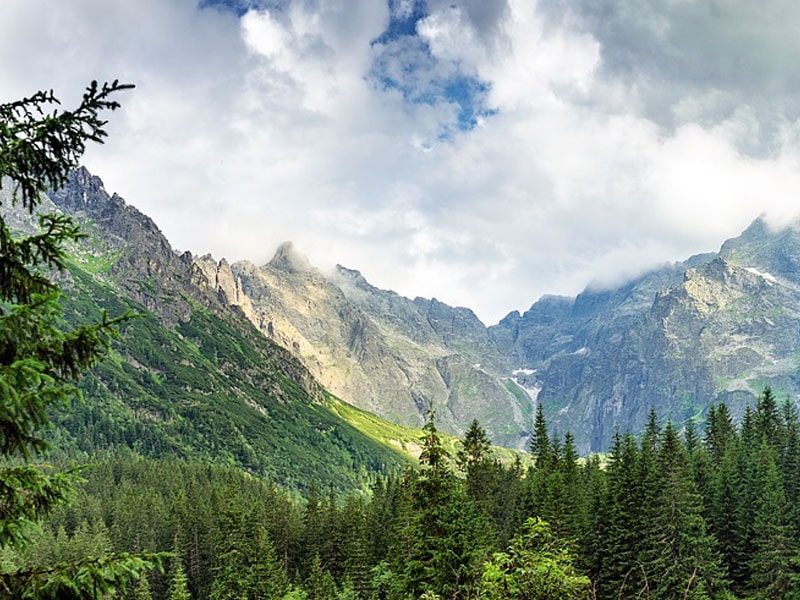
[[540, 439], [775, 562], [684, 563], [720, 432], [40, 360], [618, 566], [443, 541]]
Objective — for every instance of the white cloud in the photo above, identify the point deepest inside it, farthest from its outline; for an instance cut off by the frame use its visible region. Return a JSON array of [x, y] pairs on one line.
[[244, 133]]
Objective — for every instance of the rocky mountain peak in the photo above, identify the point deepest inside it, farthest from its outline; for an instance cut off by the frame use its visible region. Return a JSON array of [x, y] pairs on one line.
[[145, 265], [287, 258], [352, 277]]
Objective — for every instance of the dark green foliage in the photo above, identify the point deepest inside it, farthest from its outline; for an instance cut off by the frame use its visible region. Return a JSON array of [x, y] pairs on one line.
[[537, 566], [775, 562], [475, 447], [178, 582], [39, 144], [41, 359], [540, 440], [637, 527], [684, 563], [443, 539], [719, 432], [209, 390]]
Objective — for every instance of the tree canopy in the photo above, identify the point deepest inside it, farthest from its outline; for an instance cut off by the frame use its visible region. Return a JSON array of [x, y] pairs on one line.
[[41, 359]]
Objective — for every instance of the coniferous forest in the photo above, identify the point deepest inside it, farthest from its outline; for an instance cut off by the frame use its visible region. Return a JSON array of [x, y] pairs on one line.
[[674, 514]]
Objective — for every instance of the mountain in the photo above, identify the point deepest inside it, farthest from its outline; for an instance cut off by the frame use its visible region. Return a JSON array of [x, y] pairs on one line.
[[716, 328], [385, 353], [190, 377]]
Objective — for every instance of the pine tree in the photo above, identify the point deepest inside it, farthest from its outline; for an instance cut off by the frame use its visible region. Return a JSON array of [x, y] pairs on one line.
[[789, 461], [684, 562], [247, 567], [475, 447], [768, 421], [620, 570], [540, 440], [320, 584], [536, 567], [719, 432], [40, 361], [179, 584], [724, 513], [433, 455], [142, 590], [443, 539], [775, 562]]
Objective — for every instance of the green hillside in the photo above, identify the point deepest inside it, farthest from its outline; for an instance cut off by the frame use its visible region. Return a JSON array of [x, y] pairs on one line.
[[211, 391]]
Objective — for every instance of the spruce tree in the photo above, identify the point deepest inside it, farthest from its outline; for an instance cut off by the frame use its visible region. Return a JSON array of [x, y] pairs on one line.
[[179, 584], [719, 432], [789, 462], [621, 571], [40, 361], [537, 566], [724, 513], [775, 562], [768, 420], [684, 563], [475, 447], [540, 440], [443, 539]]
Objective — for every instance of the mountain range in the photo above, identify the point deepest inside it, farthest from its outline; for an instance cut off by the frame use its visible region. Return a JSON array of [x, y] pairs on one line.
[[717, 327], [255, 365]]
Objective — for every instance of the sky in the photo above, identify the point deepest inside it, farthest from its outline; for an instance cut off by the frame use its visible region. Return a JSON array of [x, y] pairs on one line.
[[482, 152]]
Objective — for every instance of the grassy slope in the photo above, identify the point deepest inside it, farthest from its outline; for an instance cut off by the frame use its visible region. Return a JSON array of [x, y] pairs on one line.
[[211, 391], [405, 438]]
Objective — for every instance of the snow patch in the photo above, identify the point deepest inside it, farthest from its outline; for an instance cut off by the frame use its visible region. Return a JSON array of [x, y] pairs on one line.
[[523, 371], [533, 392], [480, 369], [766, 276]]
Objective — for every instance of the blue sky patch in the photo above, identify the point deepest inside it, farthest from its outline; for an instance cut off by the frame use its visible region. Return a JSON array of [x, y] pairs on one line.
[[405, 63], [240, 7]]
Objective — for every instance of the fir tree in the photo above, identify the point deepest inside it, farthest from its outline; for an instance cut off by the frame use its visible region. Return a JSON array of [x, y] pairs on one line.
[[142, 590], [540, 440], [684, 563], [40, 361], [775, 562], [536, 567], [444, 539], [475, 447], [179, 584], [719, 432], [768, 423]]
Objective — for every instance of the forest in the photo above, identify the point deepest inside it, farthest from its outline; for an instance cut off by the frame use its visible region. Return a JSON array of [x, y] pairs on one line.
[[670, 515]]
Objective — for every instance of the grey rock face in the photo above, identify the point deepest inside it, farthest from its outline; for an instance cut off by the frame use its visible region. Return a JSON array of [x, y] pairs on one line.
[[714, 328], [147, 268], [391, 355]]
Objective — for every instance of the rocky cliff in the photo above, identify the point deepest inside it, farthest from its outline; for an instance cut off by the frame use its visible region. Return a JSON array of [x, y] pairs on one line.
[[716, 328], [189, 376], [390, 355]]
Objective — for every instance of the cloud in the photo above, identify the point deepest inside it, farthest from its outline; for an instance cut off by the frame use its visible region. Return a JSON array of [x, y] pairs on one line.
[[481, 153], [712, 55]]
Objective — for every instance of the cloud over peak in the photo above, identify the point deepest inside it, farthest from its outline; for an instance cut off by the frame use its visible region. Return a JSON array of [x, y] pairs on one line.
[[480, 152]]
